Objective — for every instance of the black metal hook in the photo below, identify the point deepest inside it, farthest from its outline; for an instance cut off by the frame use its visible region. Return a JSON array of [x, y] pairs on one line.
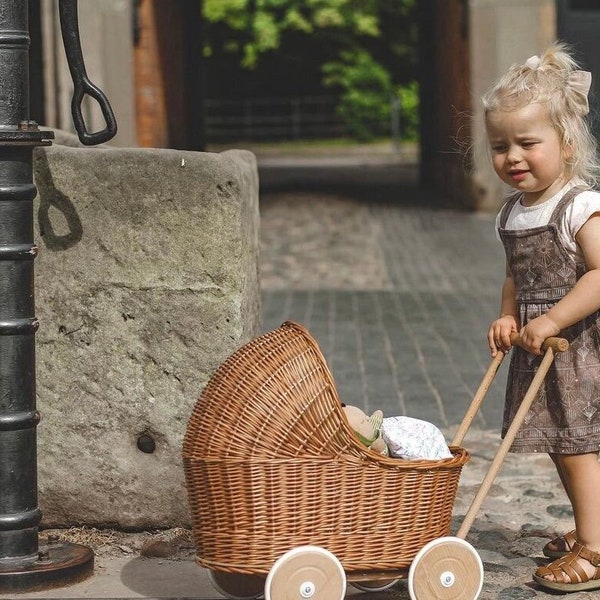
[[82, 85]]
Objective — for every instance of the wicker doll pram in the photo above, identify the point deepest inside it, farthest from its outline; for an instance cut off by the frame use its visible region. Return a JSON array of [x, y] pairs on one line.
[[271, 463]]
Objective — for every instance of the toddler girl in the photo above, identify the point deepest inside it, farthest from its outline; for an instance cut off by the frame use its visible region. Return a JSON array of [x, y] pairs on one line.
[[542, 147]]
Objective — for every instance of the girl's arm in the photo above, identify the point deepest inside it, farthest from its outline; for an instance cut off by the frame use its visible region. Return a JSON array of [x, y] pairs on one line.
[[581, 301], [500, 330]]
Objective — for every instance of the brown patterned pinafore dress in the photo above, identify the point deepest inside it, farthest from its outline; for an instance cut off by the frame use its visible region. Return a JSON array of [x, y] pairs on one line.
[[565, 416]]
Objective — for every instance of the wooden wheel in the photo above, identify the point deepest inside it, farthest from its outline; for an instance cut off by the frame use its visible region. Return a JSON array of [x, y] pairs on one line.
[[375, 586], [306, 573], [447, 568], [237, 586]]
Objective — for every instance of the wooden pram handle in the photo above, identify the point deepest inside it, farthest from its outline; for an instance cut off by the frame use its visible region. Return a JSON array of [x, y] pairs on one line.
[[550, 346], [557, 344]]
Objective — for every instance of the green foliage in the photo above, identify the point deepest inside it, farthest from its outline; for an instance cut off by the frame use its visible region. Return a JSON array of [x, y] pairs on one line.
[[295, 20], [366, 50], [366, 91], [265, 21], [408, 97]]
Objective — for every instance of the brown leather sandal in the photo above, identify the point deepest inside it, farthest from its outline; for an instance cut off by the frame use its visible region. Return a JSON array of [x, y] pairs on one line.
[[565, 541], [568, 574]]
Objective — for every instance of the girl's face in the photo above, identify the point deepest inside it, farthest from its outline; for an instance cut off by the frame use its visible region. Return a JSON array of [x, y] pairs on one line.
[[527, 152]]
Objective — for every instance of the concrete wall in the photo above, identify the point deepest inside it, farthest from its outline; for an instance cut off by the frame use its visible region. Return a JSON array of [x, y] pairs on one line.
[[147, 278], [503, 32]]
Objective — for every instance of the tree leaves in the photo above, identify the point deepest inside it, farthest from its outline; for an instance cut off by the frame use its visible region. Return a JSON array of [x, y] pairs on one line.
[[366, 49]]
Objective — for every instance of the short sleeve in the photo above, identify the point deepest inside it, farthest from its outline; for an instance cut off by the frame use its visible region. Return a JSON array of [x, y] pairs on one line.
[[582, 208]]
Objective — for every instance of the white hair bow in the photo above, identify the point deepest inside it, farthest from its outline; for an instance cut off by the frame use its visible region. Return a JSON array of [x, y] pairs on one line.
[[533, 62], [580, 82]]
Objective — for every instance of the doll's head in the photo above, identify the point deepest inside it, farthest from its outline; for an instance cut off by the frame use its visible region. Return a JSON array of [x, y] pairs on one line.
[[556, 82]]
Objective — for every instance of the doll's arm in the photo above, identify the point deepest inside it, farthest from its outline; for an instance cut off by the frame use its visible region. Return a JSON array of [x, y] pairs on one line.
[[581, 301], [508, 321]]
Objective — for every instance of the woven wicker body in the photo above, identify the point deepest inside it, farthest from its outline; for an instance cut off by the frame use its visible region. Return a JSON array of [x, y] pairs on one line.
[[271, 463]]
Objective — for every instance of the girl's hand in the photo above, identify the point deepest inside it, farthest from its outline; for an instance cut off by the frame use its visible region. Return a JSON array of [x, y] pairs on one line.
[[499, 333], [536, 331]]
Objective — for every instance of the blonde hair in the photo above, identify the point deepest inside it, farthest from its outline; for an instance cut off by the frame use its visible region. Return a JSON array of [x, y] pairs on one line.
[[548, 80]]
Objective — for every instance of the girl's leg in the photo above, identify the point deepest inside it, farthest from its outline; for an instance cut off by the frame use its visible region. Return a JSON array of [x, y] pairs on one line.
[[581, 473], [556, 460], [559, 544]]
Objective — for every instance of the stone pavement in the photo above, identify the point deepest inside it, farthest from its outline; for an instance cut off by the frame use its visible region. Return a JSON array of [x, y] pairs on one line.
[[398, 292], [398, 296]]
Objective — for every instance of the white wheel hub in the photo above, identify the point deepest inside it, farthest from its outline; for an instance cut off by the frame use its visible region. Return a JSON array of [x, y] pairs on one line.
[[447, 579], [307, 589]]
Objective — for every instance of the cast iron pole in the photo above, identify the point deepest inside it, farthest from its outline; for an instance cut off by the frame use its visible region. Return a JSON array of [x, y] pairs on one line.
[[19, 512], [24, 563]]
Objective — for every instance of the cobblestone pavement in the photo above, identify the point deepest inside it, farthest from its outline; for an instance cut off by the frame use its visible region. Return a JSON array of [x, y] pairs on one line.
[[399, 294]]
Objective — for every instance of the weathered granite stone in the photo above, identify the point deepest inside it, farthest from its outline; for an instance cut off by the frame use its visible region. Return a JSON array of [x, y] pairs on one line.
[[147, 278]]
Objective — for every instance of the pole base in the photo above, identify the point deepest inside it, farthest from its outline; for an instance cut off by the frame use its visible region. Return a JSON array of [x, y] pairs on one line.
[[59, 564]]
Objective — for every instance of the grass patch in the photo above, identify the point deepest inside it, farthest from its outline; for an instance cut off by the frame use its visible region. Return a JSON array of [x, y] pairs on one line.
[[315, 147]]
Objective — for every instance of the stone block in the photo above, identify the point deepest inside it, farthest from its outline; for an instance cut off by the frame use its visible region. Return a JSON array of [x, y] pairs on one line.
[[147, 278]]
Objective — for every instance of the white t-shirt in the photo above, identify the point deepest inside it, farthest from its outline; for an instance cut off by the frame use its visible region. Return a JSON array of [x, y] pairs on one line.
[[583, 206]]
